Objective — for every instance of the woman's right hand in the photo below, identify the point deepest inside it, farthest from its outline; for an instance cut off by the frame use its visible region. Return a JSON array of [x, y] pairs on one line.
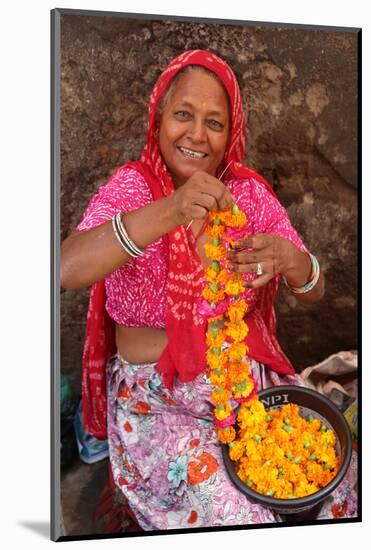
[[89, 256], [199, 195]]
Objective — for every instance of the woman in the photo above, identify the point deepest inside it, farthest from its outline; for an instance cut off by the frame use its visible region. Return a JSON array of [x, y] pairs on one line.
[[143, 235]]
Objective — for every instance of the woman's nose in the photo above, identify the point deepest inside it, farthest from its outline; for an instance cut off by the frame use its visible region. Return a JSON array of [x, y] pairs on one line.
[[197, 131]]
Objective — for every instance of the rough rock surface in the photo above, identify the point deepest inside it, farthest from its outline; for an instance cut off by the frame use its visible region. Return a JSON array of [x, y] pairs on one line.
[[300, 94]]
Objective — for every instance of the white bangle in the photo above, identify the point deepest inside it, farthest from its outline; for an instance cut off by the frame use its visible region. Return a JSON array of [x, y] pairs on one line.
[[315, 273]]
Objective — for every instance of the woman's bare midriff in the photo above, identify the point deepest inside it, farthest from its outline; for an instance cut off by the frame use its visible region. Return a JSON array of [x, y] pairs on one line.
[[145, 345], [140, 345]]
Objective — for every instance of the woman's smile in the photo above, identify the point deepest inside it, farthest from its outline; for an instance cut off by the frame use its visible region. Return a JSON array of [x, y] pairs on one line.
[[197, 155], [194, 126]]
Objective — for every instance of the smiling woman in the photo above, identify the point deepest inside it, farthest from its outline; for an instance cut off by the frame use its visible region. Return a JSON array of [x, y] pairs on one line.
[[146, 386], [194, 125]]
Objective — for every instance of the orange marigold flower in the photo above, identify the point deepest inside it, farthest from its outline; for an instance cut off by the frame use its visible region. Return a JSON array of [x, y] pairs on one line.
[[218, 379], [212, 296], [215, 231], [235, 220], [236, 311], [285, 454], [238, 371], [236, 450], [215, 252], [220, 396], [237, 331], [226, 435], [215, 341]]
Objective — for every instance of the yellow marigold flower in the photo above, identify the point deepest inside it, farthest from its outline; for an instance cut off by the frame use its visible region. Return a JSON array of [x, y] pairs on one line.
[[253, 406], [294, 458], [328, 438], [253, 451], [210, 275], [237, 310], [237, 331], [223, 411], [234, 286], [215, 276], [215, 252], [214, 360], [237, 351], [243, 388]]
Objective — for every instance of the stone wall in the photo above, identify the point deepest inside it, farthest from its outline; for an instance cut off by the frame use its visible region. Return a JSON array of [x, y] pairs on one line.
[[299, 89]]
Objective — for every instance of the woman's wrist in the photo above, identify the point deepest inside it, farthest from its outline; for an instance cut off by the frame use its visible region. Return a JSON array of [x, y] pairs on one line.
[[170, 213], [312, 281], [299, 271]]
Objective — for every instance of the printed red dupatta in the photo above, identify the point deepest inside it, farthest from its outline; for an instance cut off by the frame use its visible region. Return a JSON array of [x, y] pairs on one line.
[[184, 355]]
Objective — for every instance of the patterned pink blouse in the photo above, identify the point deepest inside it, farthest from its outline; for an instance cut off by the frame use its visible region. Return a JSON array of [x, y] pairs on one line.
[[136, 291]]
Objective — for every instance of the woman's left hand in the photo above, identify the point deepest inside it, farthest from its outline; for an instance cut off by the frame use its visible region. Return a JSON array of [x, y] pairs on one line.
[[273, 254]]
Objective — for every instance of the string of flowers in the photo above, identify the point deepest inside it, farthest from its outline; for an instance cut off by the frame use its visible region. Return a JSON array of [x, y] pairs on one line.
[[276, 452], [225, 310]]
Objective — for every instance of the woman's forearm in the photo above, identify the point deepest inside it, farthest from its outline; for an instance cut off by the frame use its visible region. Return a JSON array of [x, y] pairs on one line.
[[89, 256]]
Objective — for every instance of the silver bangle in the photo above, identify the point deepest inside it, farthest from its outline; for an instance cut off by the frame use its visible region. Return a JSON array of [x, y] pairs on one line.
[[122, 236], [315, 273]]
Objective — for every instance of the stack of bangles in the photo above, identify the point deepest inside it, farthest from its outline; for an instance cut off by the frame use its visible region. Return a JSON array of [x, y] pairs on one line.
[[123, 238], [311, 283]]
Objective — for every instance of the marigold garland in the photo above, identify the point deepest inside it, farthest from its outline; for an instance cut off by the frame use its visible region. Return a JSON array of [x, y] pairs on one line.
[[277, 453], [230, 383]]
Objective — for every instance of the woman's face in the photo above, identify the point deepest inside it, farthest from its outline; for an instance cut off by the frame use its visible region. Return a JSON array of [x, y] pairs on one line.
[[194, 126]]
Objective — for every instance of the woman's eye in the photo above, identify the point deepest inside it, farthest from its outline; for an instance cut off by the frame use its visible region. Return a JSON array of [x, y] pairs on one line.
[[215, 124], [183, 115]]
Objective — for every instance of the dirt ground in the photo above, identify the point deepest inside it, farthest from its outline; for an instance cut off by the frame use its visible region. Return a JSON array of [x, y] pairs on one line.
[[81, 486]]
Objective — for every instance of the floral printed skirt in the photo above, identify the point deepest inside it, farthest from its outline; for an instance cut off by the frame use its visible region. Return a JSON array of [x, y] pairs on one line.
[[166, 460]]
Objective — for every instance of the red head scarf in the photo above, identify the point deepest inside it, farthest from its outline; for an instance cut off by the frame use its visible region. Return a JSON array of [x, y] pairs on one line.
[[184, 355]]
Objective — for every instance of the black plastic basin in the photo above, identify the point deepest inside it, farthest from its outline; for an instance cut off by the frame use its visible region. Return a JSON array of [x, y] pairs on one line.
[[319, 406]]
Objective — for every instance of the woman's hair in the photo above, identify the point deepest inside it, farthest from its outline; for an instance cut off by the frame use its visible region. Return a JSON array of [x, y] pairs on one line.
[[165, 98]]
